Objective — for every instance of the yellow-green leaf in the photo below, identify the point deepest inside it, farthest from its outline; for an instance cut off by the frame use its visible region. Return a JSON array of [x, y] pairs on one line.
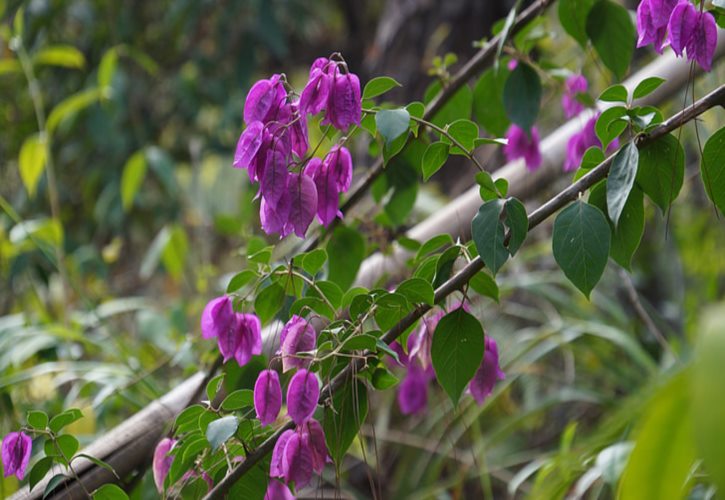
[[71, 106], [133, 175], [33, 155], [65, 56]]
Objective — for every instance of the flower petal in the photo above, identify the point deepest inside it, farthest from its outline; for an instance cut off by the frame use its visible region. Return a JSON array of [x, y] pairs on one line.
[[277, 465], [303, 203], [298, 335], [302, 395], [298, 461], [162, 462], [267, 396]]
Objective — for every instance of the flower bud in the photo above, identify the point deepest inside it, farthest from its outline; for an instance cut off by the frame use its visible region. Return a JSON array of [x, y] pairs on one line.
[[162, 462], [16, 448], [302, 395], [267, 396]]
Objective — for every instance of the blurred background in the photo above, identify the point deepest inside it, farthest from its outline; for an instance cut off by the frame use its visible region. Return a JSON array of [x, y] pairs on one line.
[[107, 261]]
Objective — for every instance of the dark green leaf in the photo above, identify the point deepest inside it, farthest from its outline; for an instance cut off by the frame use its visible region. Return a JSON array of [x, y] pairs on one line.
[[382, 379], [522, 96], [252, 485], [457, 351], [417, 110], [351, 294], [488, 101], [53, 484], [609, 27], [581, 241], [238, 399], [268, 302], [487, 190], [458, 106], [39, 470], [463, 131], [517, 222], [378, 86], [315, 304], [573, 18], [485, 285], [621, 179], [392, 123], [436, 242], [487, 232], [313, 261], [712, 168], [615, 93], [661, 170], [188, 419], [417, 291], [359, 343], [63, 447], [213, 386], [241, 279], [342, 421], [62, 419], [604, 128], [220, 430], [37, 419], [435, 156], [345, 250], [109, 491], [647, 86], [444, 265]]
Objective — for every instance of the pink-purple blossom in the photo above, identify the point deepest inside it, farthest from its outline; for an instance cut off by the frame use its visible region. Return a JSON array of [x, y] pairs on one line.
[[16, 448], [217, 317], [298, 453], [573, 86], [487, 374], [413, 391], [162, 462], [303, 392], [315, 438], [298, 335], [583, 140], [523, 144], [277, 490], [267, 396], [242, 339], [297, 461]]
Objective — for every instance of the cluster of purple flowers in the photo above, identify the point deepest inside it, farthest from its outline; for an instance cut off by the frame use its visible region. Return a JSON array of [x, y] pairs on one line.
[[273, 147], [161, 465], [238, 335], [682, 25], [16, 450], [413, 390]]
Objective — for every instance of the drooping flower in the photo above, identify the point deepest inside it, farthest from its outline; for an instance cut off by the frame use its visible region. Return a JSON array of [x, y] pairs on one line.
[[682, 25], [249, 143], [277, 465], [315, 437], [574, 85], [297, 461], [298, 131], [328, 196], [162, 462], [344, 106], [264, 99], [274, 218], [413, 392], [583, 140], [274, 175], [277, 490], [267, 396], [339, 163], [648, 30], [487, 374], [298, 335], [661, 11], [702, 43], [303, 393], [302, 194], [523, 145], [229, 340], [315, 94], [217, 317], [16, 448], [250, 333]]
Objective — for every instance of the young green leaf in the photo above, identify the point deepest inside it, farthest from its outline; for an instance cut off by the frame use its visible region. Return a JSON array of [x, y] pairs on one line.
[[522, 96], [580, 242], [32, 162], [132, 177], [485, 285], [65, 56], [238, 399], [109, 491], [647, 86], [378, 86], [435, 156], [457, 351], [661, 170], [517, 222], [62, 419], [392, 123], [487, 232], [465, 132], [313, 261], [621, 179], [607, 126], [615, 93], [712, 168], [609, 27], [37, 419]]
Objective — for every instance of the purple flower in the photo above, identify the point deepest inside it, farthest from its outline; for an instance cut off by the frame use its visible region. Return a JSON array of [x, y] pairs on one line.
[[344, 106], [162, 462], [487, 374], [264, 100], [277, 490], [274, 218], [420, 341], [328, 196], [302, 193], [218, 317], [312, 432], [273, 177], [574, 85], [277, 465], [682, 25], [250, 338], [413, 392], [523, 145], [298, 335], [339, 163], [298, 131], [267, 396], [16, 448], [648, 31], [303, 392], [702, 43], [661, 11], [249, 143], [315, 94], [581, 141], [297, 461]]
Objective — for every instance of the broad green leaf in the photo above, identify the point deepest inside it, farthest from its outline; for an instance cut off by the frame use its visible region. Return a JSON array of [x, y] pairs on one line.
[[573, 18], [63, 447], [174, 254], [435, 156], [615, 93], [251, 486], [33, 155], [457, 351], [621, 179], [268, 302], [345, 250], [609, 27], [487, 187], [54, 482], [417, 291], [378, 86], [351, 294], [522, 96], [661, 170], [485, 285], [444, 265], [133, 175], [465, 132], [487, 232], [109, 491], [39, 470], [313, 261], [580, 242], [605, 127], [458, 106], [647, 86], [359, 343], [329, 290], [212, 388], [488, 104], [107, 67], [342, 421], [517, 222], [627, 236], [303, 306], [219, 431], [65, 418], [238, 399], [392, 123], [188, 419], [712, 168], [433, 244], [65, 56], [415, 109], [663, 454], [37, 419], [70, 106], [241, 279]]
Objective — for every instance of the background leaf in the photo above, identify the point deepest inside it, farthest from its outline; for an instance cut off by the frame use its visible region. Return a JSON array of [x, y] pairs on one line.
[[487, 232], [33, 155], [621, 179], [522, 96], [609, 27], [712, 168]]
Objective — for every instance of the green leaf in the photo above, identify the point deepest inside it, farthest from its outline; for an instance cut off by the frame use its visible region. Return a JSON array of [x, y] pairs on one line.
[[39, 470], [522, 96], [435, 156], [342, 421], [621, 179], [487, 187], [615, 93], [133, 175], [663, 455], [360, 343], [392, 123], [712, 168], [212, 388], [313, 261], [518, 223], [609, 27], [647, 86], [107, 67], [345, 250], [63, 447], [661, 170], [433, 244], [351, 294], [54, 482], [188, 419], [417, 110], [417, 291], [573, 18], [458, 106], [251, 486], [109, 491], [488, 101], [465, 132], [485, 285], [581, 241], [70, 106], [627, 235], [268, 302], [174, 253], [487, 232], [457, 351], [219, 431], [378, 86], [238, 399], [31, 164], [65, 56], [504, 33], [66, 418], [609, 126], [98, 462], [241, 279], [37, 419]]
